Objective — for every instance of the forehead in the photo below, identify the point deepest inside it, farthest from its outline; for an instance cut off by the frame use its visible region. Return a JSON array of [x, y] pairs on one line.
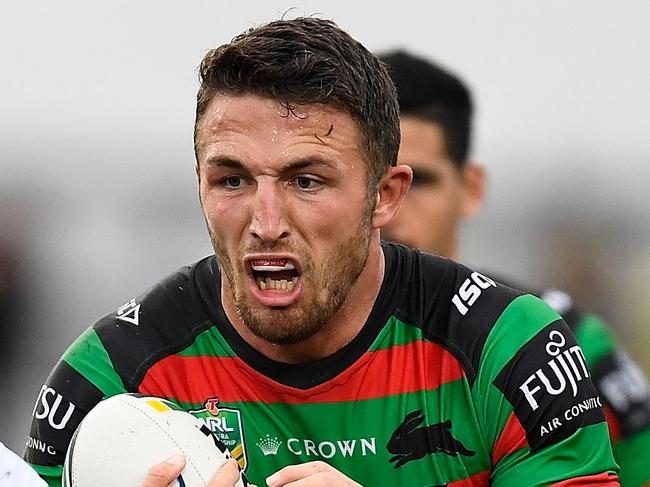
[[423, 144], [423, 136], [262, 124]]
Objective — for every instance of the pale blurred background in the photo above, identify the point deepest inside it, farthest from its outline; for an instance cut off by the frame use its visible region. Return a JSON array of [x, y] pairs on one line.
[[97, 190]]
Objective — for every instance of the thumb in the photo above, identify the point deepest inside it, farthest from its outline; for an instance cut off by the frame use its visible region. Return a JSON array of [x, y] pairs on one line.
[[164, 473]]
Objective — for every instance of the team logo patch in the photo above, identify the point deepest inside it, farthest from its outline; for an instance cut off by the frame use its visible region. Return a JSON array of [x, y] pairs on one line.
[[226, 424], [549, 386], [410, 441]]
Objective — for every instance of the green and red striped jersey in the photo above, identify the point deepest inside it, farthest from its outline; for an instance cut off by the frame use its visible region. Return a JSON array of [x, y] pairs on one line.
[[453, 380]]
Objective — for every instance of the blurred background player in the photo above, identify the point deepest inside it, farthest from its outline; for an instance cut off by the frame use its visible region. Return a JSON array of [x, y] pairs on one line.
[[436, 123]]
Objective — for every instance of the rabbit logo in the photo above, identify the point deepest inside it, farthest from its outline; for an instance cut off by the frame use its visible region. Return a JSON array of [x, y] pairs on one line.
[[411, 442]]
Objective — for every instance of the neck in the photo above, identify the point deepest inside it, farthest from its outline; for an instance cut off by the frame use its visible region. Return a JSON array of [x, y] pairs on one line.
[[342, 328]]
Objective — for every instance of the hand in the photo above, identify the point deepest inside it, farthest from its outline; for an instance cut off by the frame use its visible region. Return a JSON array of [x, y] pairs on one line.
[[310, 474], [163, 474]]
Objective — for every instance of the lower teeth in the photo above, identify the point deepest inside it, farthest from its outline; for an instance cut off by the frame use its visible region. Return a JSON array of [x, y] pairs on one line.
[[277, 284]]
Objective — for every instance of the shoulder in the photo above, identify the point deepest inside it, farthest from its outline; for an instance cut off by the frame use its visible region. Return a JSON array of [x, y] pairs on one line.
[[113, 355], [456, 306], [161, 321], [561, 301]]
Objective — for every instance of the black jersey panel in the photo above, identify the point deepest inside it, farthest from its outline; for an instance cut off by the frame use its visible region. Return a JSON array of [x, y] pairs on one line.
[[549, 386], [162, 321], [557, 299], [65, 398], [454, 305]]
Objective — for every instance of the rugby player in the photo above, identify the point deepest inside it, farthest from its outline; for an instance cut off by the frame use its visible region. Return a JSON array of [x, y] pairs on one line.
[[317, 353]]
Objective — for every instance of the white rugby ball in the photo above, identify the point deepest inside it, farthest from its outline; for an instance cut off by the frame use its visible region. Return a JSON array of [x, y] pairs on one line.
[[122, 437]]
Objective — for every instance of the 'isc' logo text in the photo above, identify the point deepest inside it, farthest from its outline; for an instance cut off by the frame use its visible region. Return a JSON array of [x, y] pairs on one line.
[[47, 406], [470, 290]]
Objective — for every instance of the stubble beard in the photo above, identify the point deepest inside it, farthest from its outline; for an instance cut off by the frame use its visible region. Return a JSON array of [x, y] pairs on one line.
[[330, 286]]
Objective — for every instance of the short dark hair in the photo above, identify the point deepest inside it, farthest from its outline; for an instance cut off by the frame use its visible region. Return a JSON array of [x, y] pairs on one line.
[[430, 92], [309, 60]]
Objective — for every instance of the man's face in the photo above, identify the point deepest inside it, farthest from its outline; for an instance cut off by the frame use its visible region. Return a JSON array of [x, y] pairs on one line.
[[436, 203], [284, 197]]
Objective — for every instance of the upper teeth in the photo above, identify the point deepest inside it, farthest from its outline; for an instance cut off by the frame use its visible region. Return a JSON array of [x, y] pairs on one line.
[[272, 266]]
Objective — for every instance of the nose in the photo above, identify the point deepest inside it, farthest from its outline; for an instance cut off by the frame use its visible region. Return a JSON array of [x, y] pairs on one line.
[[269, 218]]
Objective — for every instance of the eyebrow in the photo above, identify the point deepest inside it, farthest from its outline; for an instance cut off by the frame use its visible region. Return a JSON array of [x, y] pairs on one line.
[[302, 163], [225, 162], [306, 162]]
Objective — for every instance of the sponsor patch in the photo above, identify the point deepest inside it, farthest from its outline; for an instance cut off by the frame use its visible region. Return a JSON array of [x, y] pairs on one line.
[[269, 445], [61, 404], [550, 388], [226, 424]]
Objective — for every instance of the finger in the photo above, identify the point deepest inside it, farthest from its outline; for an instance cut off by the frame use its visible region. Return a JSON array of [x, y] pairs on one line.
[[163, 474], [227, 475], [296, 472]]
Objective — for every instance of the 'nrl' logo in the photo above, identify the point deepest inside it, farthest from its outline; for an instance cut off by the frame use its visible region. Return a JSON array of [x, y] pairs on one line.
[[226, 424]]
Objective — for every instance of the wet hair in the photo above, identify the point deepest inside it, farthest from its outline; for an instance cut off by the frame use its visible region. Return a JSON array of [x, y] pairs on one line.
[[428, 91], [303, 61]]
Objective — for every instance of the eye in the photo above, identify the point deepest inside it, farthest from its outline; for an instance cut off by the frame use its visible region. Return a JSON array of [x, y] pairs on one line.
[[233, 182], [305, 182]]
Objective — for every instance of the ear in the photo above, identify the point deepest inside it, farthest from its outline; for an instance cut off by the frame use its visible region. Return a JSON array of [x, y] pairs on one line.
[[390, 194], [474, 178]]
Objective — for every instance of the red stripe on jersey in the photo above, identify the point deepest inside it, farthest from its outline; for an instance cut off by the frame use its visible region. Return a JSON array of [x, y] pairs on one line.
[[604, 479], [612, 423], [400, 369], [477, 480], [512, 438]]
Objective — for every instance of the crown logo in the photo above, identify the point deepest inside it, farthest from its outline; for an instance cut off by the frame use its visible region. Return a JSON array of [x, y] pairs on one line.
[[268, 445]]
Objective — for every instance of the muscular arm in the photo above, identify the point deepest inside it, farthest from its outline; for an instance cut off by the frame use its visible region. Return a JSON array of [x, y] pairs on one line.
[[538, 403]]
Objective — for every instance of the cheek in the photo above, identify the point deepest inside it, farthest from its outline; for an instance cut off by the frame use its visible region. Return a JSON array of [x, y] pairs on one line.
[[333, 219], [224, 216]]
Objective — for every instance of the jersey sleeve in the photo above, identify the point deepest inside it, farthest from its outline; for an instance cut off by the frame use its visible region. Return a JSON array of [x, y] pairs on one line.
[[83, 376], [624, 390], [542, 417], [111, 358]]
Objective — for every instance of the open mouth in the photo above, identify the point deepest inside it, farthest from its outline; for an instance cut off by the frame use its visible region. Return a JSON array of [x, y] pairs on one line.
[[275, 274]]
